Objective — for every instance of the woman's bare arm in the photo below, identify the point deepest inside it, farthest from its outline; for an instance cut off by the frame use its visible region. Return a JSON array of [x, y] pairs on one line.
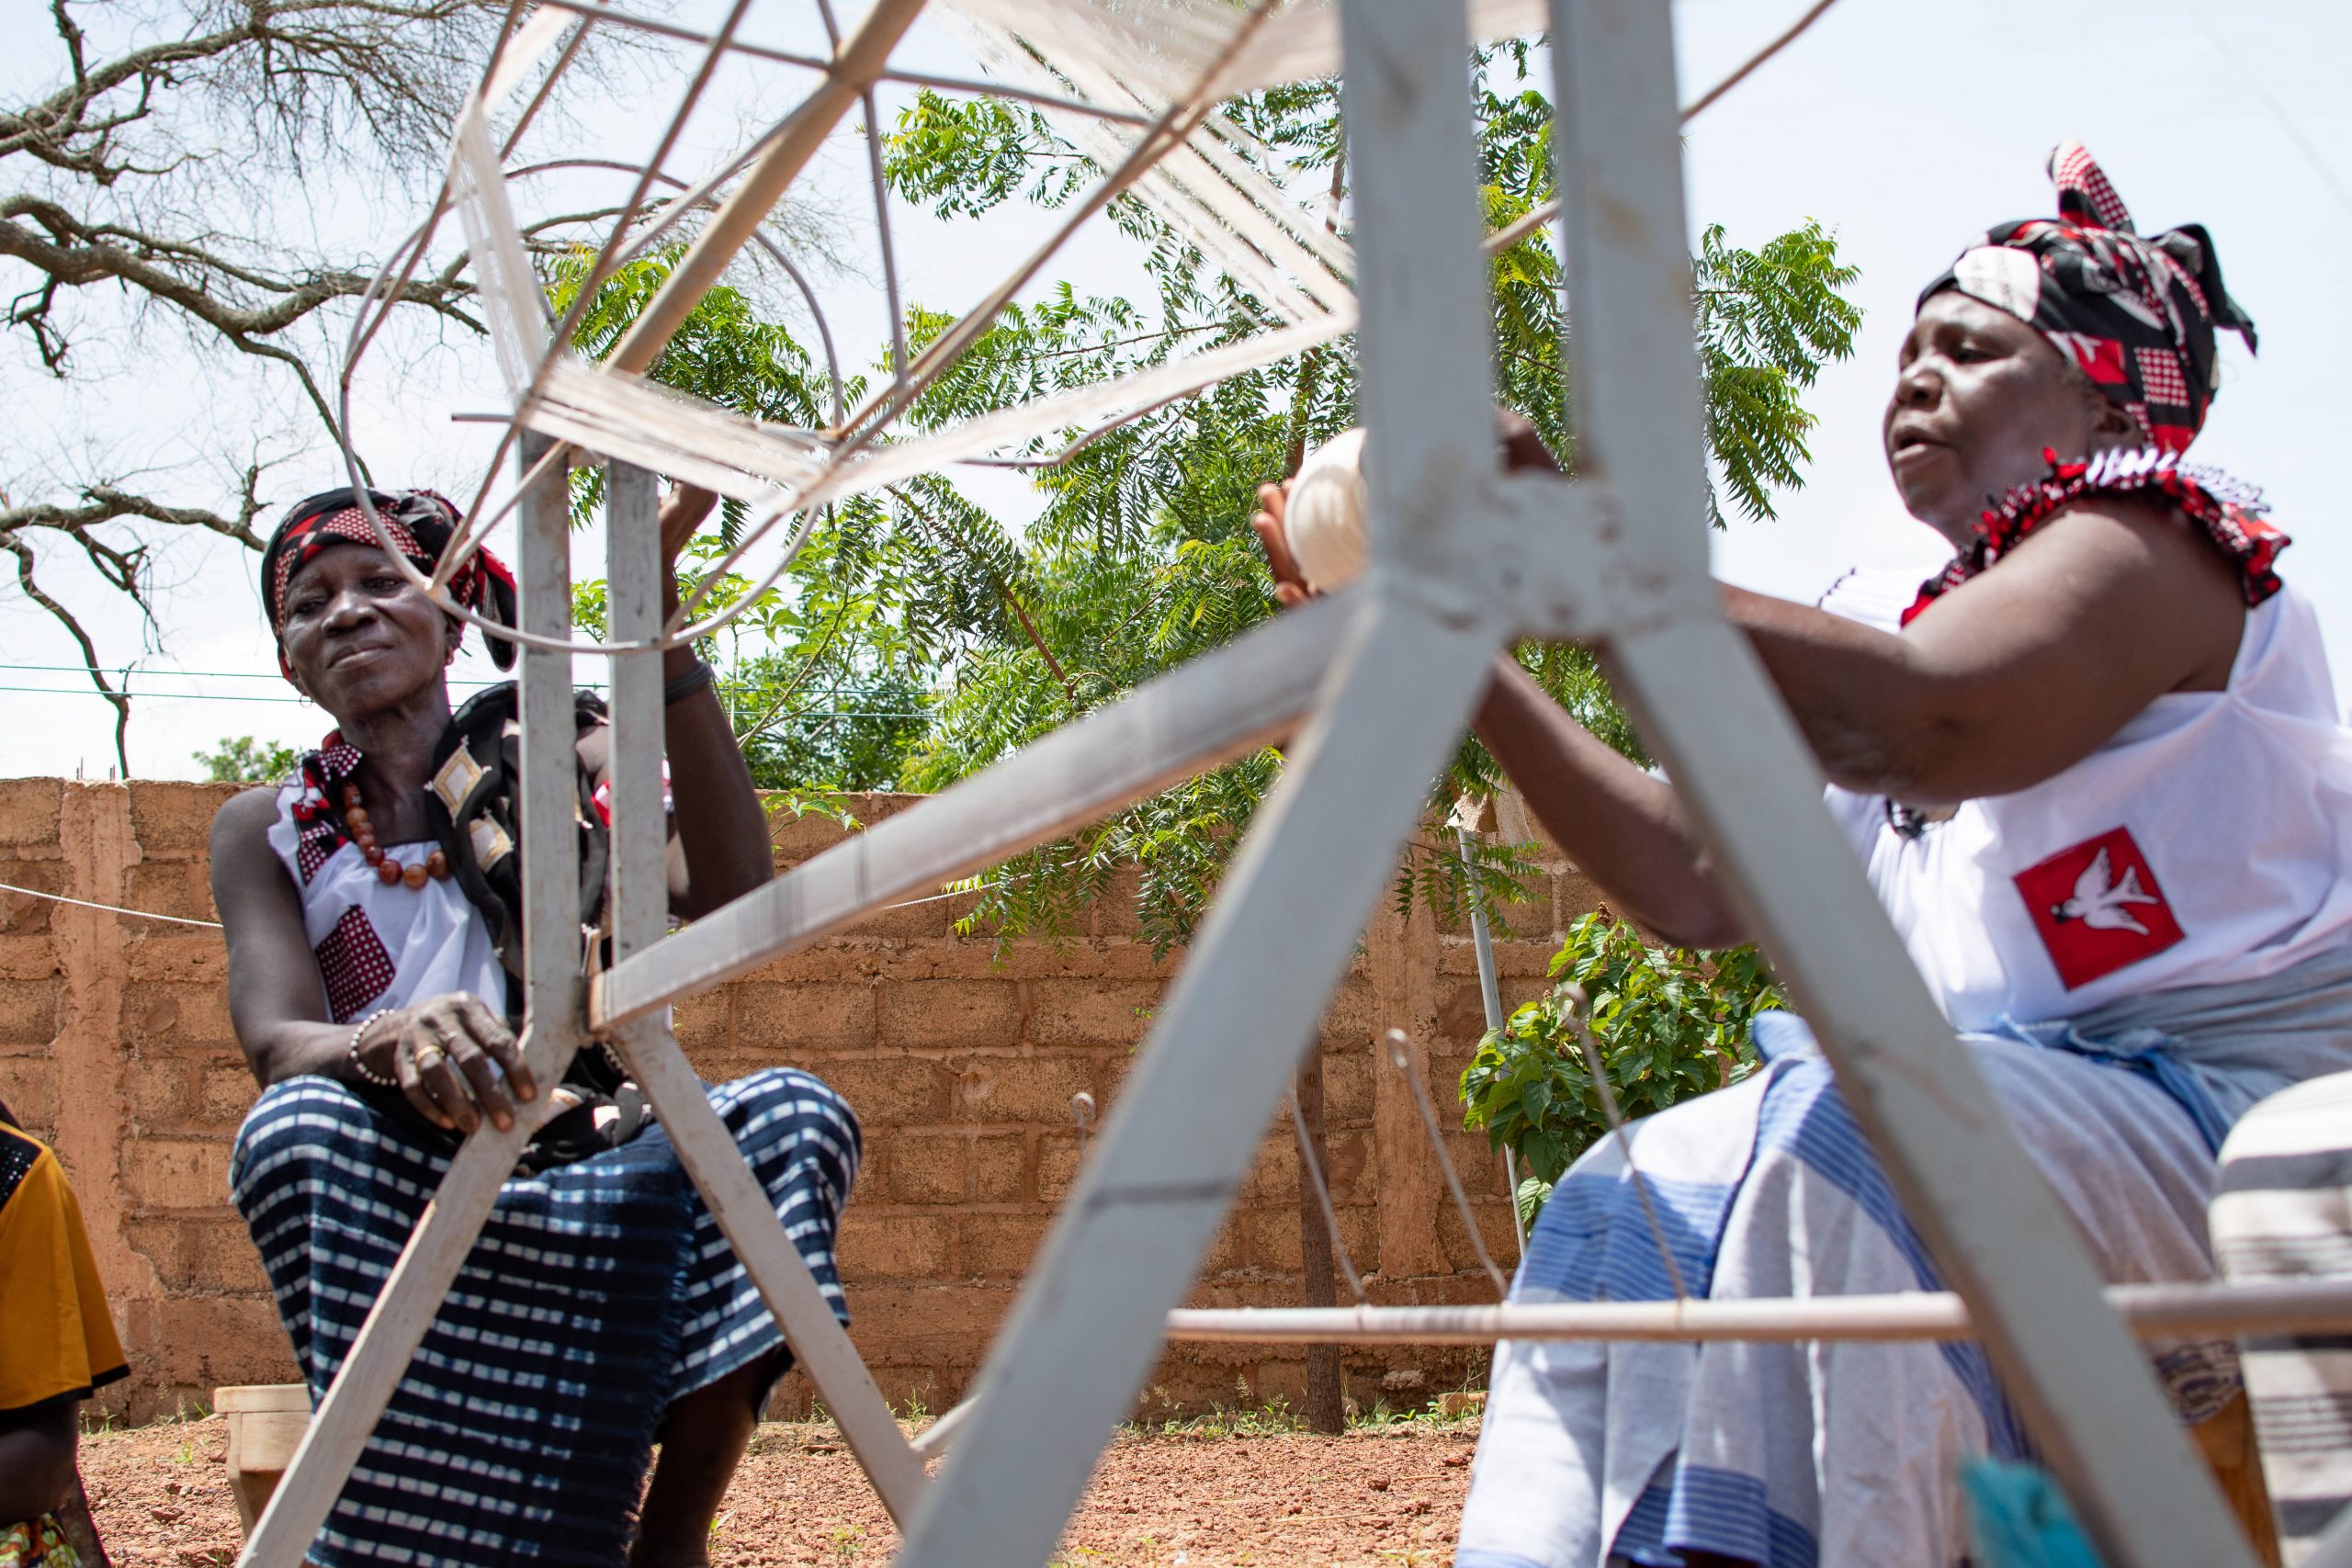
[[1622, 827], [276, 1000], [2018, 674], [2005, 681], [722, 844]]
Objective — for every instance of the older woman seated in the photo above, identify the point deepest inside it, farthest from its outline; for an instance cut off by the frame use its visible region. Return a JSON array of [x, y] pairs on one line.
[[374, 938], [2094, 773]]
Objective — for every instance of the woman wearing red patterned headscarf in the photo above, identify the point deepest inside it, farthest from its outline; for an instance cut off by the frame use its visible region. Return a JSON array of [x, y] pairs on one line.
[[2096, 775], [373, 909]]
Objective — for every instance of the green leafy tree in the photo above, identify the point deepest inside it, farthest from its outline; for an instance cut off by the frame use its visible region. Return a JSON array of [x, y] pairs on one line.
[[1668, 1024], [240, 759], [828, 677], [1142, 557], [920, 598]]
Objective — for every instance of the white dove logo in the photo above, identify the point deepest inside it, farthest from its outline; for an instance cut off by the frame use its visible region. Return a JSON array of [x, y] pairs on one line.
[[2099, 901]]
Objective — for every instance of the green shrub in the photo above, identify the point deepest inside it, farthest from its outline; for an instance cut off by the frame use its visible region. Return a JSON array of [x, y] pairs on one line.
[[1669, 1021], [243, 760]]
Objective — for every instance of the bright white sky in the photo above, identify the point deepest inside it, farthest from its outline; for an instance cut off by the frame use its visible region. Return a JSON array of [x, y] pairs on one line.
[[1907, 130]]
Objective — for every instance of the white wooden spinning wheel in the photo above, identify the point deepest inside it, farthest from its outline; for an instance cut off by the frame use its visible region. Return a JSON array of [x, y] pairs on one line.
[[1377, 682]]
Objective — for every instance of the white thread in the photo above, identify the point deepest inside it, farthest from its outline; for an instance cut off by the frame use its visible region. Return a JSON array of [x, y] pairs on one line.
[[110, 909], [215, 925], [1323, 517]]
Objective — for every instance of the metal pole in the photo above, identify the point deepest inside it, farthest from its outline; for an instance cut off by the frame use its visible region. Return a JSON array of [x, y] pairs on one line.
[[2154, 1311], [1491, 993], [640, 910]]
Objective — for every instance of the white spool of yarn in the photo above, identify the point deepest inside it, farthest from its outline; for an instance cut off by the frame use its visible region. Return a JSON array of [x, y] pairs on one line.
[[1324, 517]]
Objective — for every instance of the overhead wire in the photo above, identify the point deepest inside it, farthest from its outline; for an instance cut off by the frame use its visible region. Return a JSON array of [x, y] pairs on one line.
[[2277, 111]]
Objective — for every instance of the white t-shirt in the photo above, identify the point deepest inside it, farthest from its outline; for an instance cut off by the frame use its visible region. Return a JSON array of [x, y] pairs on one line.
[[2208, 840]]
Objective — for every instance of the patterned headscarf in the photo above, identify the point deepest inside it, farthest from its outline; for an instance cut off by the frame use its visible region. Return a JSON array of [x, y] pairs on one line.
[[420, 523], [2137, 314]]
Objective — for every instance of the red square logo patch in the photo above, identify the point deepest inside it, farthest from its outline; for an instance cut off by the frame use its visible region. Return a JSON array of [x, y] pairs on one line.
[[2098, 907]]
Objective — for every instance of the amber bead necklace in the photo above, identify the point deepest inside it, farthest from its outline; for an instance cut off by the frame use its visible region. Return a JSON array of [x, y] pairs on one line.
[[387, 870]]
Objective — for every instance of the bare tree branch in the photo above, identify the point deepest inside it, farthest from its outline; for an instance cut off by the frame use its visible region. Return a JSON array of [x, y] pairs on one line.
[[65, 617], [104, 504], [76, 253], [113, 177]]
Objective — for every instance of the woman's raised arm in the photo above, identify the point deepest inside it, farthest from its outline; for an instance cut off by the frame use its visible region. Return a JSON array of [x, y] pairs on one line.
[[2016, 674], [721, 851]]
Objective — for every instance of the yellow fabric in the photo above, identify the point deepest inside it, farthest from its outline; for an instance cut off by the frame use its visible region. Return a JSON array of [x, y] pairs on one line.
[[60, 1338]]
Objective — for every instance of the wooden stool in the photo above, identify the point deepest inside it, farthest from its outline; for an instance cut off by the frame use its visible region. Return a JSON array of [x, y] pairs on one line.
[[265, 1426], [2229, 1447]]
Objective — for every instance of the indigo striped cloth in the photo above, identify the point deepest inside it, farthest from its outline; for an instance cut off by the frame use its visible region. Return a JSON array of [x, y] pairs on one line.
[[1795, 1455], [599, 1292], [2282, 1210]]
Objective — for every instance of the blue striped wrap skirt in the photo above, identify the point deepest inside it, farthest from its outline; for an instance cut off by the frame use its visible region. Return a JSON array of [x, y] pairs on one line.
[[598, 1292], [1792, 1455]]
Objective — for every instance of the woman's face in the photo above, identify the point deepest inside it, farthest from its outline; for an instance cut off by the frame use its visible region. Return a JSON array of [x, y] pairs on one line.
[[1978, 394], [361, 637]]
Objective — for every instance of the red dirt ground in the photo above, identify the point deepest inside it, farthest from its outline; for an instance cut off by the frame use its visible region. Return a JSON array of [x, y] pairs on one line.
[[1198, 1496]]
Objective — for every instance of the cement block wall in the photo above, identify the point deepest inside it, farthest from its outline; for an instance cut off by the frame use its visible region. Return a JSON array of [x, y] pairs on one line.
[[116, 1045]]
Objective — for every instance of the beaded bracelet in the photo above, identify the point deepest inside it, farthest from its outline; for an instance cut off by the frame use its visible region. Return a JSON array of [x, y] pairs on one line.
[[351, 1053]]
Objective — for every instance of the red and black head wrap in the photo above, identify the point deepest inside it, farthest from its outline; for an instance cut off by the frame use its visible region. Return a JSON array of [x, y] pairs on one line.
[[421, 525], [2136, 314]]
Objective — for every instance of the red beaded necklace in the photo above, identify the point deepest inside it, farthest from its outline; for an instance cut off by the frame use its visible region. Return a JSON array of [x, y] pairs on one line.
[[387, 870]]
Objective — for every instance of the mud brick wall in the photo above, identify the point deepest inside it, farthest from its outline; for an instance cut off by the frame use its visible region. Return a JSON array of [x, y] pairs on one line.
[[116, 1045]]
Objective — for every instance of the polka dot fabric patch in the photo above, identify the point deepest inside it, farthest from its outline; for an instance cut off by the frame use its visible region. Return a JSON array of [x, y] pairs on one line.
[[354, 966]]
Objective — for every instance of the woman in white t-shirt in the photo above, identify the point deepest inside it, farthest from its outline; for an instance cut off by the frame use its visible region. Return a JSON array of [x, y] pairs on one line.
[[2097, 779]]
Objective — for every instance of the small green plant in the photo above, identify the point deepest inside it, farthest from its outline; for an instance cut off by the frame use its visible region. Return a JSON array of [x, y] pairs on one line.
[[846, 1540], [1272, 1418], [1669, 1021], [786, 806], [240, 759]]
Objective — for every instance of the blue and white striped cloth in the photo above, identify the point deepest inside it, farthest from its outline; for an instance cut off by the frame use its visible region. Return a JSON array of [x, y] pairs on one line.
[[1794, 1455], [2283, 1211], [598, 1292]]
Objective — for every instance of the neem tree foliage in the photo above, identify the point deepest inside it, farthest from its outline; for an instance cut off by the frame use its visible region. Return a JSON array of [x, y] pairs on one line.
[[922, 638]]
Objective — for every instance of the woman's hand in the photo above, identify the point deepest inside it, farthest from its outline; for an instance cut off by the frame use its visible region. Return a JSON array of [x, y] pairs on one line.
[[1289, 583], [454, 1058], [1522, 448]]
